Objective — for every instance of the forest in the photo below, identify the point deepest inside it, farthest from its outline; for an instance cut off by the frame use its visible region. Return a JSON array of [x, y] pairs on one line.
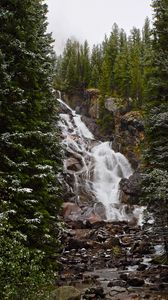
[[131, 68]]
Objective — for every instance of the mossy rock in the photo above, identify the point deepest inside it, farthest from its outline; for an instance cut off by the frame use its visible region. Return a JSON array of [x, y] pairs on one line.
[[65, 293]]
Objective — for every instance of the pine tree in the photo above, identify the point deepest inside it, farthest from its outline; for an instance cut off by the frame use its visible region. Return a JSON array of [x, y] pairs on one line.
[[135, 45], [30, 151], [122, 71], [96, 65], [111, 49], [156, 158]]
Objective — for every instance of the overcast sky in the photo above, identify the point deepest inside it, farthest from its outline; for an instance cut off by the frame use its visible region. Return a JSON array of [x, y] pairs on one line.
[[92, 19]]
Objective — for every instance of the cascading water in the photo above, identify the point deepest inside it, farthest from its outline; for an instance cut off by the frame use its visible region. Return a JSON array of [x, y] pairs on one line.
[[109, 168], [101, 168]]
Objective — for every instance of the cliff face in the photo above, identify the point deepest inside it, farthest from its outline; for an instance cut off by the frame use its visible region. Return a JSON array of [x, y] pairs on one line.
[[113, 119]]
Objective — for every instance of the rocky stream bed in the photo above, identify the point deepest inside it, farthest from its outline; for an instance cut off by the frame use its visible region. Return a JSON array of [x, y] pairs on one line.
[[110, 260]]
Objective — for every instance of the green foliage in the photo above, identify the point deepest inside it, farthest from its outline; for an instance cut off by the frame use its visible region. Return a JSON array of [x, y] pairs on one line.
[[23, 275], [73, 67], [30, 195], [106, 118], [155, 183]]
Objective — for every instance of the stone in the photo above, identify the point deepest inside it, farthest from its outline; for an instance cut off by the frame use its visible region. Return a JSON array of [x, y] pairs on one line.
[[65, 293], [117, 283], [136, 282], [141, 247], [111, 104], [124, 276], [97, 292], [73, 164], [70, 211], [75, 243], [131, 188], [142, 267], [132, 119], [119, 289]]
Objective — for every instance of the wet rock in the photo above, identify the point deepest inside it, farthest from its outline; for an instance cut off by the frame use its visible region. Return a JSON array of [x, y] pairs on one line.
[[141, 267], [164, 276], [100, 210], [92, 125], [141, 247], [117, 283], [65, 293], [76, 244], [94, 293], [70, 211], [136, 282], [94, 223], [131, 189], [126, 241], [124, 276], [119, 289], [73, 164], [112, 242]]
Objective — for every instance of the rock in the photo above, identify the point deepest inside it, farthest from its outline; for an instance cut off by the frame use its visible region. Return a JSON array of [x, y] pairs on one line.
[[93, 219], [92, 125], [94, 293], [164, 276], [75, 243], [65, 293], [132, 120], [112, 242], [142, 267], [100, 210], [141, 247], [111, 104], [119, 289], [124, 277], [94, 223], [131, 189], [73, 164], [117, 283], [137, 282], [71, 211]]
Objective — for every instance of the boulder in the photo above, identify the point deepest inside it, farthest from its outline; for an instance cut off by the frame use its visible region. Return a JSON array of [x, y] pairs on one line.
[[111, 104], [75, 243], [142, 248], [73, 164], [131, 189], [70, 211], [132, 121], [137, 282], [65, 293]]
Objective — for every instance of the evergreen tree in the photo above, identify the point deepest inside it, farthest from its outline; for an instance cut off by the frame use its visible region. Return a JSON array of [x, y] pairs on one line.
[[122, 70], [111, 49], [30, 160], [85, 64], [156, 158], [135, 44], [96, 65]]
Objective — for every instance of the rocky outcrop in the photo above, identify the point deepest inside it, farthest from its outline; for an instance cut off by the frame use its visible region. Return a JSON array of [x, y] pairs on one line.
[[130, 189]]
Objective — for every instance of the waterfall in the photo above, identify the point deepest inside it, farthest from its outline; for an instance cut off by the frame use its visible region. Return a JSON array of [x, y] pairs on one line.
[[100, 168]]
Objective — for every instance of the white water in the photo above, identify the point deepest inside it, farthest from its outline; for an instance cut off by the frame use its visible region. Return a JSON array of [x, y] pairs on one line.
[[109, 168], [102, 168]]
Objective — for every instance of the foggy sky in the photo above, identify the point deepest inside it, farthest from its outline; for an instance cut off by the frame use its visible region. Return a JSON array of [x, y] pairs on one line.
[[92, 19]]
